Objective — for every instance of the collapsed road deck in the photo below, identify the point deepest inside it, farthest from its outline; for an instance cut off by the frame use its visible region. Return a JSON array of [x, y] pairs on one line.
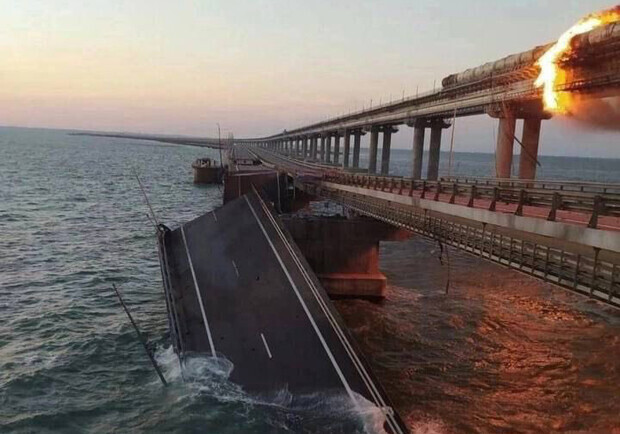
[[237, 287]]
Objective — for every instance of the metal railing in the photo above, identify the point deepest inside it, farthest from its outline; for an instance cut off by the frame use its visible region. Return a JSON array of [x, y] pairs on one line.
[[592, 199]]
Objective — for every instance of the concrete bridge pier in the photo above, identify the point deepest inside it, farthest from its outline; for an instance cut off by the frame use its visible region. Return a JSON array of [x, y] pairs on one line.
[[336, 147], [304, 146], [315, 147], [418, 149], [322, 151], [529, 151], [357, 140], [432, 170], [328, 148], [505, 145], [347, 148], [372, 155], [385, 150], [297, 146]]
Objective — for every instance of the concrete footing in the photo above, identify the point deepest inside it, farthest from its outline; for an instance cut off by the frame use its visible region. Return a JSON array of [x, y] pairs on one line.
[[344, 253]]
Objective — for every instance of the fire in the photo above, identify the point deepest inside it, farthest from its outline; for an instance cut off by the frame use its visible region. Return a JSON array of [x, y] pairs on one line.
[[551, 73]]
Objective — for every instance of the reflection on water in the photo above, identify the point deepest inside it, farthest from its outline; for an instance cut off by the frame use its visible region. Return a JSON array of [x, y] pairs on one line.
[[500, 351]]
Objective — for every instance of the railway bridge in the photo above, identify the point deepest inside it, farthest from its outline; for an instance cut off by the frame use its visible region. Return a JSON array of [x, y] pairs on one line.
[[564, 232], [504, 89]]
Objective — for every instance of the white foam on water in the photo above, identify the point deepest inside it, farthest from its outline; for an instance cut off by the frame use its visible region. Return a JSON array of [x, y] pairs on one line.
[[432, 426], [204, 375]]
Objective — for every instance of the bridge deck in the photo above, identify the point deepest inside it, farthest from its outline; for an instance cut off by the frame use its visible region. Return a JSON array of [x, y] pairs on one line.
[[239, 288]]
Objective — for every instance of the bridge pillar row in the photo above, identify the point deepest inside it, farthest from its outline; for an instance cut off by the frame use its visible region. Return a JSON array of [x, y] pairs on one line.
[[347, 148], [372, 153], [529, 150], [336, 147], [505, 145], [357, 140], [385, 150]]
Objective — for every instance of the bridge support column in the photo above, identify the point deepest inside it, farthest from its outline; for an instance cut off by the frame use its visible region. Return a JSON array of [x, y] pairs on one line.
[[357, 140], [347, 148], [505, 144], [385, 150], [344, 253], [315, 147], [372, 156], [529, 150], [418, 150], [336, 147], [328, 149], [432, 171], [304, 146], [322, 151]]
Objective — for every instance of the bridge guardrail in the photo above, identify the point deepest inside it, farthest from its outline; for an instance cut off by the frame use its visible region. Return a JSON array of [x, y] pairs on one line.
[[544, 194]]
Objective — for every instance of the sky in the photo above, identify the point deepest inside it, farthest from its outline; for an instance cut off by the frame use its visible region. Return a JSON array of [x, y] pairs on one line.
[[258, 67]]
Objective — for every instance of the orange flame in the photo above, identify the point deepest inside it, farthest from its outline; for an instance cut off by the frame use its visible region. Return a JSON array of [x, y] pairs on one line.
[[550, 71]]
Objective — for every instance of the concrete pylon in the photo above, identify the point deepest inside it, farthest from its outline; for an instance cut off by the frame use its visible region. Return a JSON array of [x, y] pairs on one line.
[[328, 148], [504, 149], [529, 150], [347, 148], [432, 171], [322, 151], [304, 147], [372, 154], [418, 150], [385, 150], [357, 141], [315, 152], [336, 147]]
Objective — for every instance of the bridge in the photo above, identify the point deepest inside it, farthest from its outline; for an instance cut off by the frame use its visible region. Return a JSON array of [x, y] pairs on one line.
[[503, 89], [249, 285], [567, 233]]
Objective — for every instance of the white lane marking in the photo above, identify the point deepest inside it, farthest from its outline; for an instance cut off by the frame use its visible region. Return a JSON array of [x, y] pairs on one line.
[[202, 307], [235, 267], [306, 310], [379, 401], [266, 346], [214, 216]]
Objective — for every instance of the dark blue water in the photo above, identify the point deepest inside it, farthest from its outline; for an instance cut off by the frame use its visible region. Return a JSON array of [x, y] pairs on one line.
[[73, 221], [483, 165]]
